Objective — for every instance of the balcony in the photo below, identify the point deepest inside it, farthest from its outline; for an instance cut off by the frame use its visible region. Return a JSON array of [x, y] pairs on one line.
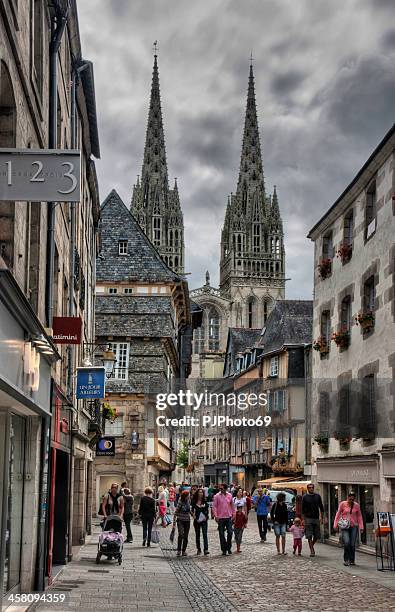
[[286, 464]]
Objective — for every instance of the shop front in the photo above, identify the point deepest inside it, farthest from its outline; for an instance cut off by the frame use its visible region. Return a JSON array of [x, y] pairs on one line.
[[26, 354], [336, 477], [216, 473]]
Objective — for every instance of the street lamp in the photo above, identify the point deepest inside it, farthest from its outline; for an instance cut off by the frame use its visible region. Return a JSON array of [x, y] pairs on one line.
[[134, 439], [109, 360]]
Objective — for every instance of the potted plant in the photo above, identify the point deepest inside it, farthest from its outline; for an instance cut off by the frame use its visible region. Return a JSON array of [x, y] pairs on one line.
[[321, 345], [322, 441], [325, 268], [109, 413], [344, 438], [365, 320], [342, 338], [273, 460], [344, 252]]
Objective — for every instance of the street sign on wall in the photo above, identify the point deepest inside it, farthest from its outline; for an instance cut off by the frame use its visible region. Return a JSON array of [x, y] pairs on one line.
[[67, 330], [40, 175], [91, 383]]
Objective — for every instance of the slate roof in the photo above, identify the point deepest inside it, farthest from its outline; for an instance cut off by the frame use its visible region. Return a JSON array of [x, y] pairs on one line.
[[138, 316], [239, 339], [142, 262], [289, 323]]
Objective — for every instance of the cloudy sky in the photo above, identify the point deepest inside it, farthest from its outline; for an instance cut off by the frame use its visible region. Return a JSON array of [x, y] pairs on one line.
[[325, 87]]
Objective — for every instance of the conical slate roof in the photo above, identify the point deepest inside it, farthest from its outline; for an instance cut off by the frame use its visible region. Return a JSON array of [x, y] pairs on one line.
[[142, 261]]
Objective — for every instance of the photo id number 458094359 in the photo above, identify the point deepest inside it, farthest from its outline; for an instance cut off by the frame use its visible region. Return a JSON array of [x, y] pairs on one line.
[[29, 598]]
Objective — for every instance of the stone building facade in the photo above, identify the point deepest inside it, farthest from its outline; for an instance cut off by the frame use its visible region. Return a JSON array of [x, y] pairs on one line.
[[143, 314], [156, 207], [44, 432], [353, 364]]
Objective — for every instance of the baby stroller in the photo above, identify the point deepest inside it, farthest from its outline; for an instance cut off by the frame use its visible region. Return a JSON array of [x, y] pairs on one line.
[[111, 539]]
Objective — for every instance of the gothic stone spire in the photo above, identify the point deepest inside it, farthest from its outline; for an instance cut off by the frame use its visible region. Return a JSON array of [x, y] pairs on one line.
[[156, 207]]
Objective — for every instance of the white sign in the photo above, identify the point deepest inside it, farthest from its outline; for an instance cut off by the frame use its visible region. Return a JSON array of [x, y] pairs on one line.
[[40, 175]]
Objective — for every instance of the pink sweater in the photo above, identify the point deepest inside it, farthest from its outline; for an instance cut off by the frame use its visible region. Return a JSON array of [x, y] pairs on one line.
[[355, 517], [223, 506], [297, 532]]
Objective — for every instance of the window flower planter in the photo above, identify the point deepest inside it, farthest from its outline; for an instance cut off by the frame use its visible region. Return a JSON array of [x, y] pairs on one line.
[[342, 338], [109, 413], [321, 345], [342, 437], [325, 268], [344, 252], [365, 320], [322, 441]]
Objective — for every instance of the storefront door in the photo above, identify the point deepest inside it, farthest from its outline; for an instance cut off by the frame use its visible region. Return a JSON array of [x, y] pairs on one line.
[[333, 506], [367, 511], [15, 474]]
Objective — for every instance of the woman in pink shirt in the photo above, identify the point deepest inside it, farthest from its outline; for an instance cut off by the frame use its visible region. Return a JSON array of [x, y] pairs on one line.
[[349, 519]]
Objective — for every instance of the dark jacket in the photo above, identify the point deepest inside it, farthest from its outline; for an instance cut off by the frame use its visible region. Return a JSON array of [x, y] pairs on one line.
[[147, 507], [128, 504], [197, 510], [279, 513]]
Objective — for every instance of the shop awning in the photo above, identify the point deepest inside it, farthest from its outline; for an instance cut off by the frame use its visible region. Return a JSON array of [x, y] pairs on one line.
[[299, 485], [273, 479]]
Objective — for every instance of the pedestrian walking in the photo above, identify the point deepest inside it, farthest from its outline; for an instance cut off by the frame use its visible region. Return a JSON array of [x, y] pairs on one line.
[[128, 500], [147, 512], [239, 524], [279, 514], [248, 501], [172, 497], [262, 503], [223, 514], [297, 531], [112, 502], [313, 516], [162, 505], [124, 484], [240, 500], [183, 516], [349, 519], [200, 511]]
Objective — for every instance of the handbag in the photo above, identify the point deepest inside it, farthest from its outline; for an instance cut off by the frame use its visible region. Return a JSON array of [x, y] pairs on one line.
[[155, 537], [172, 534], [343, 523], [202, 518], [168, 519]]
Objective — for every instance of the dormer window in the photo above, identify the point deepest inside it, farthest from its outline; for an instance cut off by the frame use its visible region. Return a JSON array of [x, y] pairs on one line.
[[274, 366], [123, 247], [112, 290]]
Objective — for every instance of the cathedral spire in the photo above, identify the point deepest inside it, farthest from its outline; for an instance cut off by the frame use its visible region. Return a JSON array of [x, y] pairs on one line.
[[154, 163], [251, 170]]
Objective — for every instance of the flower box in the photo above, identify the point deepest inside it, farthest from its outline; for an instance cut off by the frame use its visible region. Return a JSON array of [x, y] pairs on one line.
[[344, 252], [321, 345], [365, 320], [322, 441], [109, 413], [325, 268], [342, 338]]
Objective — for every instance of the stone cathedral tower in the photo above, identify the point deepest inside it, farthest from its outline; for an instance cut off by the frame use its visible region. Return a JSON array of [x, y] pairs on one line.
[[156, 207], [252, 267]]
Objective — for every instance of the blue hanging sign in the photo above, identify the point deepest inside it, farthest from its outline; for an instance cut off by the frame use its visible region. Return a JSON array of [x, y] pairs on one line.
[[91, 383]]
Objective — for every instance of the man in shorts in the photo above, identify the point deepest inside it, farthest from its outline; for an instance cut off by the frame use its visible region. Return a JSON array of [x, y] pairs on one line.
[[313, 516]]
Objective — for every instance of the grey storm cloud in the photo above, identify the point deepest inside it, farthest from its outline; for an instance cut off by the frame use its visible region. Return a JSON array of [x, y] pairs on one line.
[[324, 87]]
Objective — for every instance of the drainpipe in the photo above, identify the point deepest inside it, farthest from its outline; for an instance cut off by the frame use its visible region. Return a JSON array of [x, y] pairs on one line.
[[58, 26]]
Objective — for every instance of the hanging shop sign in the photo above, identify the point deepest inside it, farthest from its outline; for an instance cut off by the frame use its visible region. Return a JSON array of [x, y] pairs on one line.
[[67, 330], [40, 175], [91, 383], [105, 447]]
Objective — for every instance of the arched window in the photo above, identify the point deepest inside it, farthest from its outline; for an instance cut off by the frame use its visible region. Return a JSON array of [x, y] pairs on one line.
[[157, 231], [176, 262], [198, 339], [213, 329], [256, 237], [265, 311], [251, 312]]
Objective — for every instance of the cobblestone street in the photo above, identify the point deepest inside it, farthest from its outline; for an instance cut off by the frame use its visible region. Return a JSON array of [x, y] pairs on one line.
[[155, 579]]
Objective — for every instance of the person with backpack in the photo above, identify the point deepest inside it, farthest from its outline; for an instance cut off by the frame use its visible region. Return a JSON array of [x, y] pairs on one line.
[[349, 519], [112, 502], [147, 513], [183, 516], [128, 500]]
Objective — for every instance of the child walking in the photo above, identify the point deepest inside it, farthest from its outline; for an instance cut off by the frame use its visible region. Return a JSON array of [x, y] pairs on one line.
[[297, 531], [239, 523]]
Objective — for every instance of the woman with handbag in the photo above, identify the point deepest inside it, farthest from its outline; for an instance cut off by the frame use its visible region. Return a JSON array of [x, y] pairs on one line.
[[349, 519], [183, 516], [200, 511]]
